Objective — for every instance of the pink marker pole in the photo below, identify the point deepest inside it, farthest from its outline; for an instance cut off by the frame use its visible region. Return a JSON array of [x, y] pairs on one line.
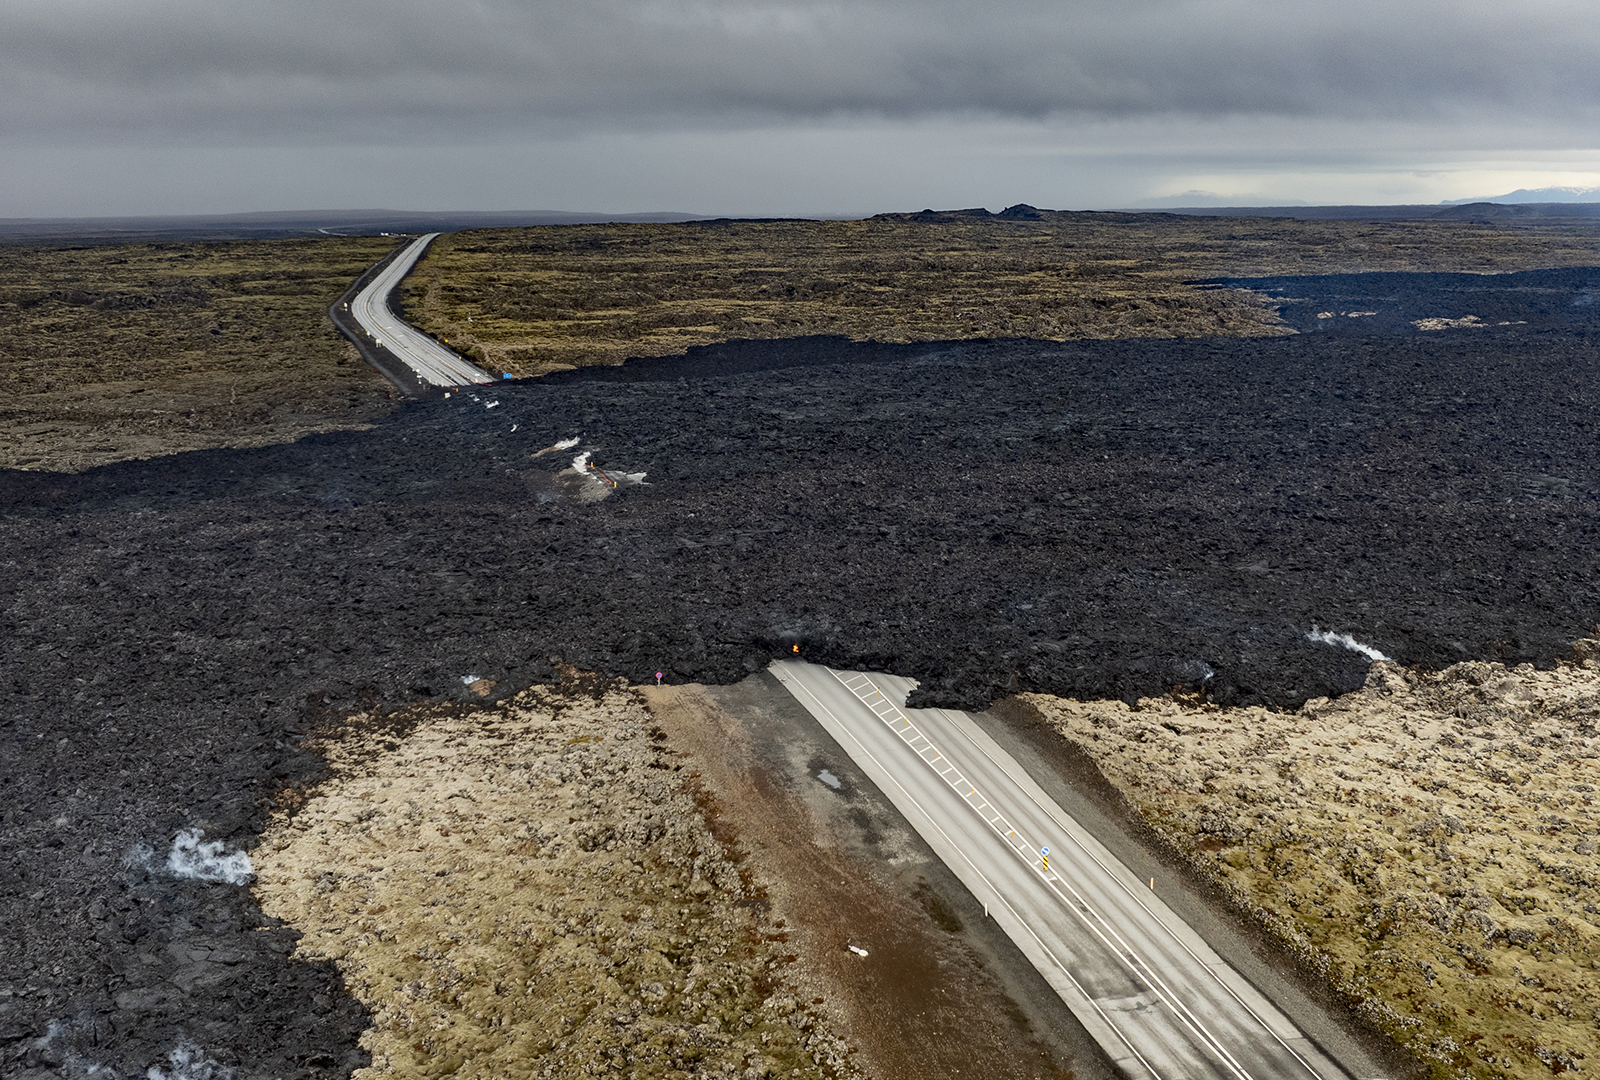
[[658, 678]]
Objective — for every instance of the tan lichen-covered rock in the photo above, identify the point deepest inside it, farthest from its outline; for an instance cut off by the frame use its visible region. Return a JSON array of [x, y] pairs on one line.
[[531, 890], [1429, 842]]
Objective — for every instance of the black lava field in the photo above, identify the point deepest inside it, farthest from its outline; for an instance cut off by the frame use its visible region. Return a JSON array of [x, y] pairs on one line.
[[1092, 519]]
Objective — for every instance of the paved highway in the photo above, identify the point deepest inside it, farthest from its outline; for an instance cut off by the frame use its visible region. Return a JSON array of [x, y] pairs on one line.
[[1150, 991], [433, 363]]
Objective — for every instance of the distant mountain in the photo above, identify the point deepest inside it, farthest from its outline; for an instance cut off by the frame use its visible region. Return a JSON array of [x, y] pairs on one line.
[[1527, 213], [1536, 195], [1544, 213], [1298, 212]]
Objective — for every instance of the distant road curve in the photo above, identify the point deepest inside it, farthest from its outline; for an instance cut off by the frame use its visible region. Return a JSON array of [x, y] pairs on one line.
[[383, 338]]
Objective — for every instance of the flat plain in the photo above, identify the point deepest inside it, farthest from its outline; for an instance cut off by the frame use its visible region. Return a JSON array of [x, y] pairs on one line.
[[1126, 466], [118, 351], [111, 351], [529, 301]]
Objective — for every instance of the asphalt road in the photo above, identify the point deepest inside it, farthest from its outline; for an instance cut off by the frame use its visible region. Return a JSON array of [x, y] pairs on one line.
[[433, 363], [1149, 990]]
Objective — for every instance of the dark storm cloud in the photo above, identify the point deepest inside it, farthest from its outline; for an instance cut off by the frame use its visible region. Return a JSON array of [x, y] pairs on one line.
[[378, 69]]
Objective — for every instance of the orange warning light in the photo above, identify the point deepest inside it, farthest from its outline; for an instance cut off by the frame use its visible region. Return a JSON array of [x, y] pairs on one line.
[[796, 647]]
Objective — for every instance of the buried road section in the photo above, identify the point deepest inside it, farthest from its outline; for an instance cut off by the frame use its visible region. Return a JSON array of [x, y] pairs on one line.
[[1107, 519], [1149, 990]]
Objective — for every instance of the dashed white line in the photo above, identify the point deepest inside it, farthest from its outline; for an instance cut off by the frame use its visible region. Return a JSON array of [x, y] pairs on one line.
[[1086, 914]]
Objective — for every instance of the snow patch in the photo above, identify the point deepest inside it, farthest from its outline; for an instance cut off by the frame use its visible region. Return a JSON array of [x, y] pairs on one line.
[[1328, 637], [468, 680], [190, 858]]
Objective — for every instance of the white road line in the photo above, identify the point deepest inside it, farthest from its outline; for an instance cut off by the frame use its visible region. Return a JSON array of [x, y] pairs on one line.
[[1147, 994], [1139, 900], [1000, 899], [864, 689], [432, 362]]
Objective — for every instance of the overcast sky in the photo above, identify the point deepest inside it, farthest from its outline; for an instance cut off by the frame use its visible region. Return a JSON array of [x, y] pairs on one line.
[[788, 107]]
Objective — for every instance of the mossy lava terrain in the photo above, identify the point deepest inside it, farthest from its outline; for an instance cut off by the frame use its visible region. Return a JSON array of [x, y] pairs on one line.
[[116, 351], [1427, 843], [111, 351], [530, 889], [530, 301], [213, 661]]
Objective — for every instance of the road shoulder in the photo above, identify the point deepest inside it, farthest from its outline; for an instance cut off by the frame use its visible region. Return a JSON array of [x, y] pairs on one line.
[[942, 992], [1072, 779]]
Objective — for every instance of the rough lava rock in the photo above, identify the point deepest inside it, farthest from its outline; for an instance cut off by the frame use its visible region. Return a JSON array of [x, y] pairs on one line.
[[1102, 519]]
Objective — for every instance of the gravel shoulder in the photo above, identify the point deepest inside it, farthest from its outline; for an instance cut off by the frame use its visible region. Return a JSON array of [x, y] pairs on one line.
[[941, 991]]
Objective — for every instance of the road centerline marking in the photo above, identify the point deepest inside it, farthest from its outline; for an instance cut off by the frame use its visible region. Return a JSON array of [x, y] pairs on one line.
[[797, 688], [1140, 969]]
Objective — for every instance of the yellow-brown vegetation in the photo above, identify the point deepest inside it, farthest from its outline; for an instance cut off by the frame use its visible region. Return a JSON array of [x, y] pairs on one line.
[[530, 889], [1429, 843], [529, 301], [116, 351]]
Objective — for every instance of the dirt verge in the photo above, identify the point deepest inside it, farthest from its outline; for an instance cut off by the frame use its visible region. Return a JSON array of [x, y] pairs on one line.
[[941, 991]]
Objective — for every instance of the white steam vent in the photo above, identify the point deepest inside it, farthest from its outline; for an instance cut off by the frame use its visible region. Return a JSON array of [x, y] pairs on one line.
[[555, 448], [189, 1062], [190, 858], [1328, 637]]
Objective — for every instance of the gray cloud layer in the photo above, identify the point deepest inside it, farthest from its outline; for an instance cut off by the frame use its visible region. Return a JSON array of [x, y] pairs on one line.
[[387, 70]]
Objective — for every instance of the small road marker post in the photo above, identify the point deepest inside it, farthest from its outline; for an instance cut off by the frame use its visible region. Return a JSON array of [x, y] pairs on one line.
[[1044, 854]]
